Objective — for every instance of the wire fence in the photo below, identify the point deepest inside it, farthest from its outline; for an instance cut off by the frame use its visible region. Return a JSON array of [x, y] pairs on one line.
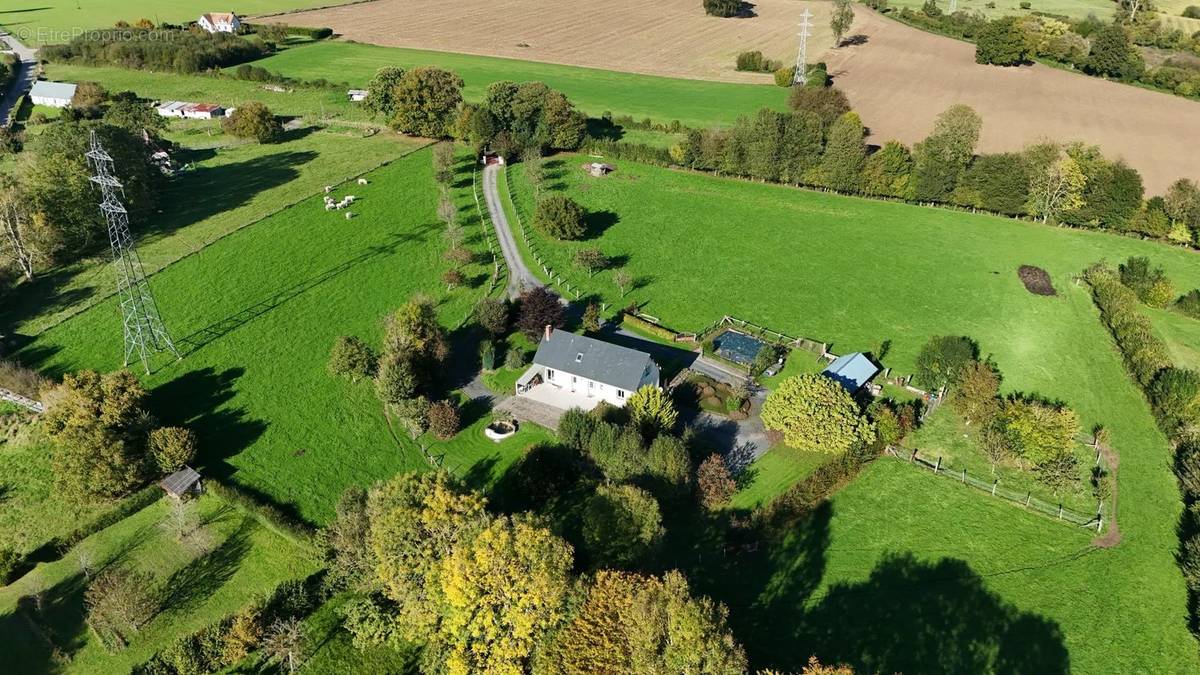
[[17, 399], [992, 486], [556, 278]]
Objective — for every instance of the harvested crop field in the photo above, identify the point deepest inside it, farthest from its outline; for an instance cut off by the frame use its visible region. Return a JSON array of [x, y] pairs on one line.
[[900, 78], [672, 37]]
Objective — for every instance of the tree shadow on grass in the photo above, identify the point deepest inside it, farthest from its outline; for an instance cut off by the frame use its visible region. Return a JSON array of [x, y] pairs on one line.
[[916, 617], [597, 223], [196, 399], [195, 582], [210, 190]]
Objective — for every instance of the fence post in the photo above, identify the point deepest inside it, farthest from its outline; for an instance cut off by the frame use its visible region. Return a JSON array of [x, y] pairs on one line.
[[1060, 510], [938, 466], [913, 457], [1099, 522], [1028, 495], [994, 484], [964, 480]]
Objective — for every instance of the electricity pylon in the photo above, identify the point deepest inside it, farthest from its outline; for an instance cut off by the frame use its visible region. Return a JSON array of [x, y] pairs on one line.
[[800, 76], [143, 327]]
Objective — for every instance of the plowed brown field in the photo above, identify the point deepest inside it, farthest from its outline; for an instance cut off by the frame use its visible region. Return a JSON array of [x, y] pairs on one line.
[[900, 78], [667, 37]]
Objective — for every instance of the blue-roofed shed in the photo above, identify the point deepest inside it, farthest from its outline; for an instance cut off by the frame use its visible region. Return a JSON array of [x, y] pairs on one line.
[[852, 371]]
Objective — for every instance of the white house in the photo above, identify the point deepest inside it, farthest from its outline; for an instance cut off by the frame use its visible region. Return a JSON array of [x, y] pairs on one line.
[[52, 94], [576, 371], [357, 95], [171, 108], [220, 22]]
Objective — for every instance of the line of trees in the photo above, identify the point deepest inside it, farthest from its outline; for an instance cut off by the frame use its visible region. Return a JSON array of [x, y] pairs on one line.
[[821, 142], [1174, 395], [1089, 45], [511, 119], [161, 49]]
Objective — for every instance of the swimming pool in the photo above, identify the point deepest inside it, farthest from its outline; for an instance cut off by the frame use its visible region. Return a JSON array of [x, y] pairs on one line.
[[737, 347]]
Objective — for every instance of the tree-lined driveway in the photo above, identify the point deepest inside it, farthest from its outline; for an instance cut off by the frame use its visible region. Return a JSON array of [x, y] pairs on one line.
[[520, 277], [24, 78]]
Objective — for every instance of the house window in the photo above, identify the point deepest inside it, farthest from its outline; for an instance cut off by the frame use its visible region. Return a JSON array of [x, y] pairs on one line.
[[620, 394], [549, 374], [579, 357]]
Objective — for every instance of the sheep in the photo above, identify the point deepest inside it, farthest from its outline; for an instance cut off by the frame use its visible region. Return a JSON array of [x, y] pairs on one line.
[[362, 181], [329, 206], [328, 189], [349, 215], [350, 198]]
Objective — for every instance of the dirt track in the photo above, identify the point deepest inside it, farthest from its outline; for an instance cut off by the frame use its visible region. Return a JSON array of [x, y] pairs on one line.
[[668, 37], [901, 78]]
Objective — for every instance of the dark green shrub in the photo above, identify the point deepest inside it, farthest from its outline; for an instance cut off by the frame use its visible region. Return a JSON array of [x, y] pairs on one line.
[[560, 217], [352, 358], [1189, 304], [750, 61], [515, 358], [1026, 5], [10, 562], [723, 8], [1191, 12], [1002, 43]]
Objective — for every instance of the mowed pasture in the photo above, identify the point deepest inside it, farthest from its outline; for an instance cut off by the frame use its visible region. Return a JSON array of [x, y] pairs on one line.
[[229, 184], [693, 102], [1075, 9], [901, 78], [38, 22], [856, 272], [673, 38], [255, 315]]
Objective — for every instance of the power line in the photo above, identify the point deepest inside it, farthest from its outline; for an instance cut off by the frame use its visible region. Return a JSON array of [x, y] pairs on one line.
[[800, 76], [144, 332]]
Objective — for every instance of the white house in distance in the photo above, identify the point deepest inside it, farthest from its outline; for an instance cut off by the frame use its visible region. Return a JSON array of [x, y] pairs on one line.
[[52, 94], [192, 111], [576, 371], [220, 22], [357, 95]]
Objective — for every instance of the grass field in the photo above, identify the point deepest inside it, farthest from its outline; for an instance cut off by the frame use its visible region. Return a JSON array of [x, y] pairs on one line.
[[232, 184], [37, 22], [31, 515], [945, 436], [1181, 333], [693, 102], [772, 474], [855, 272], [255, 315], [242, 560]]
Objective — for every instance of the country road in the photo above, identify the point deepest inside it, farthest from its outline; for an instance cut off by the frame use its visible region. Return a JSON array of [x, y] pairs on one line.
[[24, 78], [519, 276]]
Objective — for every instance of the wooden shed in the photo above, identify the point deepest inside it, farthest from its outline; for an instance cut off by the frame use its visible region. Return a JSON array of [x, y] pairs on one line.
[[182, 483]]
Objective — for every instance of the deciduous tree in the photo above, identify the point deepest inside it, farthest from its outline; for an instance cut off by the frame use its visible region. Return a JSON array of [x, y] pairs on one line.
[[492, 315], [714, 482], [539, 307], [652, 410], [629, 623], [1003, 42], [840, 20], [942, 157], [815, 413], [253, 120], [845, 153], [976, 394], [1056, 188], [941, 360], [425, 101], [172, 448], [621, 523], [560, 217], [351, 357], [503, 590], [381, 91]]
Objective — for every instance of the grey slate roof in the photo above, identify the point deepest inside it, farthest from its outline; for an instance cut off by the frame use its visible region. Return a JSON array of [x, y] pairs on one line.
[[180, 482], [58, 90], [594, 359]]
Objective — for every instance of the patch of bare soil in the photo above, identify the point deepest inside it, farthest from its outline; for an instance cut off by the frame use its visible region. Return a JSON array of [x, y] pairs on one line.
[[1036, 280], [668, 37], [899, 78]]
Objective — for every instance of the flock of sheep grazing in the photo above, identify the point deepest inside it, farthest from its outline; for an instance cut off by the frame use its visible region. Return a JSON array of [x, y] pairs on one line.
[[331, 205]]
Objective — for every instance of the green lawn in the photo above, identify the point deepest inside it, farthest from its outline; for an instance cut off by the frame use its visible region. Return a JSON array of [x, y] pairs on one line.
[[1181, 333], [200, 585], [49, 21], [773, 473], [855, 272], [232, 184], [255, 314], [693, 102]]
